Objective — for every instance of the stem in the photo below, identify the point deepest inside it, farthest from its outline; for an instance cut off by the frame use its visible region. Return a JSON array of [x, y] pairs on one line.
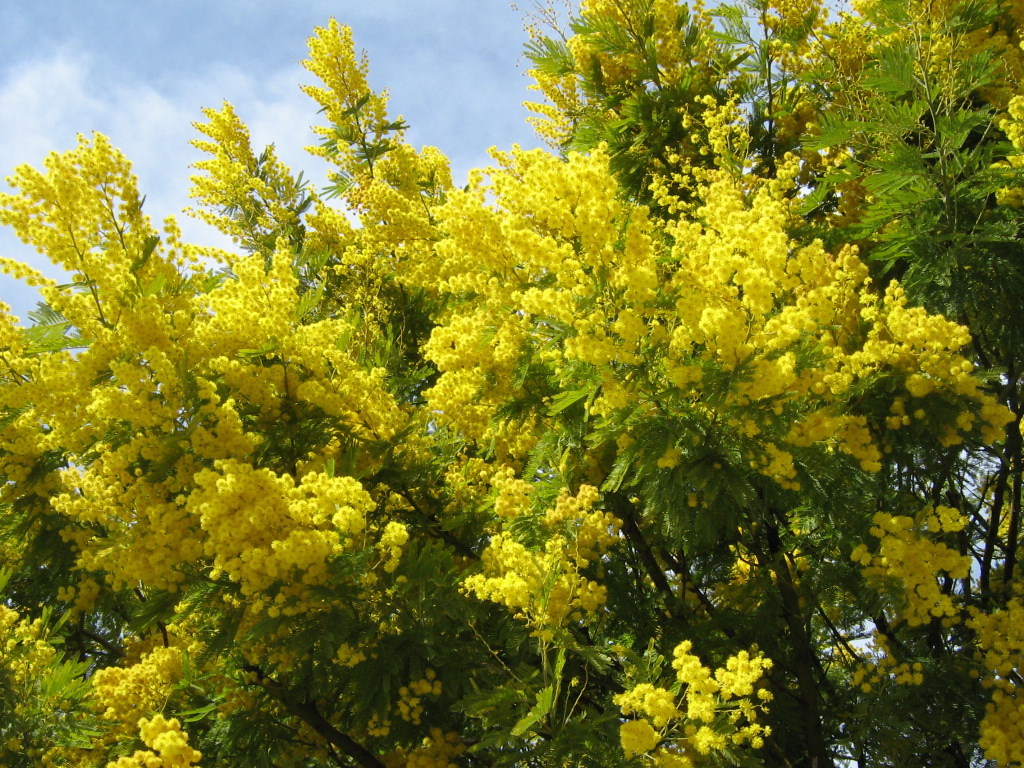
[[624, 509], [992, 534], [803, 654], [1013, 448], [306, 711]]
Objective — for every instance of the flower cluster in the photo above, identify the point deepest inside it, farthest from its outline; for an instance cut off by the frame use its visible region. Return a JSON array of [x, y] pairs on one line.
[[546, 588], [124, 694], [1001, 652], [24, 650], [410, 704], [301, 454], [915, 560], [263, 528], [234, 178], [438, 750], [711, 712], [883, 666], [168, 740]]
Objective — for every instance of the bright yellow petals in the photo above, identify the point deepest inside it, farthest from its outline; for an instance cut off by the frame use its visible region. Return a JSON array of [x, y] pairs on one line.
[[550, 118], [169, 742], [668, 36], [556, 238], [395, 537], [546, 588], [259, 190], [388, 186], [124, 694], [916, 561], [262, 528], [24, 650], [655, 703], [638, 737], [84, 212], [715, 711], [782, 323], [1001, 651], [438, 750], [412, 416], [345, 92]]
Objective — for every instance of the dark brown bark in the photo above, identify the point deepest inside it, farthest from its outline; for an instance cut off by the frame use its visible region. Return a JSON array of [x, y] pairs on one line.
[[992, 534], [804, 659], [307, 712], [625, 512], [1013, 448]]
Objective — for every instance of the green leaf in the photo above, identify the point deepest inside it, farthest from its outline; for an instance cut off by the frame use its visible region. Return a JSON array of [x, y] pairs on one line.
[[308, 301], [148, 247], [154, 287], [566, 399], [545, 701], [197, 714]]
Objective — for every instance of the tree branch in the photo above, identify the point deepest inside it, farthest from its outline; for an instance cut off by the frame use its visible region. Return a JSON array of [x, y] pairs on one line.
[[306, 711], [622, 508]]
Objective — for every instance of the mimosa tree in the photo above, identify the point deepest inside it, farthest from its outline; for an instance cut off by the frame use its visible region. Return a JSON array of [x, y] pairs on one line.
[[693, 441]]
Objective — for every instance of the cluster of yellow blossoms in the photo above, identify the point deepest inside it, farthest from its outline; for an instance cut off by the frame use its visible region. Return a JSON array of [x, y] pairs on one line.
[[546, 588], [169, 742], [915, 561], [1013, 127], [124, 694], [668, 34], [297, 530], [23, 647], [675, 58], [714, 711], [392, 192], [438, 750], [1001, 652], [581, 267], [174, 392], [234, 177], [883, 667], [410, 705], [145, 318]]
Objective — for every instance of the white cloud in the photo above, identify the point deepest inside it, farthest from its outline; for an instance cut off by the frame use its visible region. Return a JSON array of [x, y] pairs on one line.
[[450, 66], [39, 99], [49, 101]]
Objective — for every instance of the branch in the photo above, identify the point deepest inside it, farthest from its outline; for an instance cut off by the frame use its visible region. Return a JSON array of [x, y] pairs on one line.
[[624, 510], [306, 711], [107, 646], [804, 657], [435, 528]]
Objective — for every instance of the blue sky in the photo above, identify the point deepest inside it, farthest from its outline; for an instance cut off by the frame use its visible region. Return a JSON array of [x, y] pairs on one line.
[[140, 70]]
